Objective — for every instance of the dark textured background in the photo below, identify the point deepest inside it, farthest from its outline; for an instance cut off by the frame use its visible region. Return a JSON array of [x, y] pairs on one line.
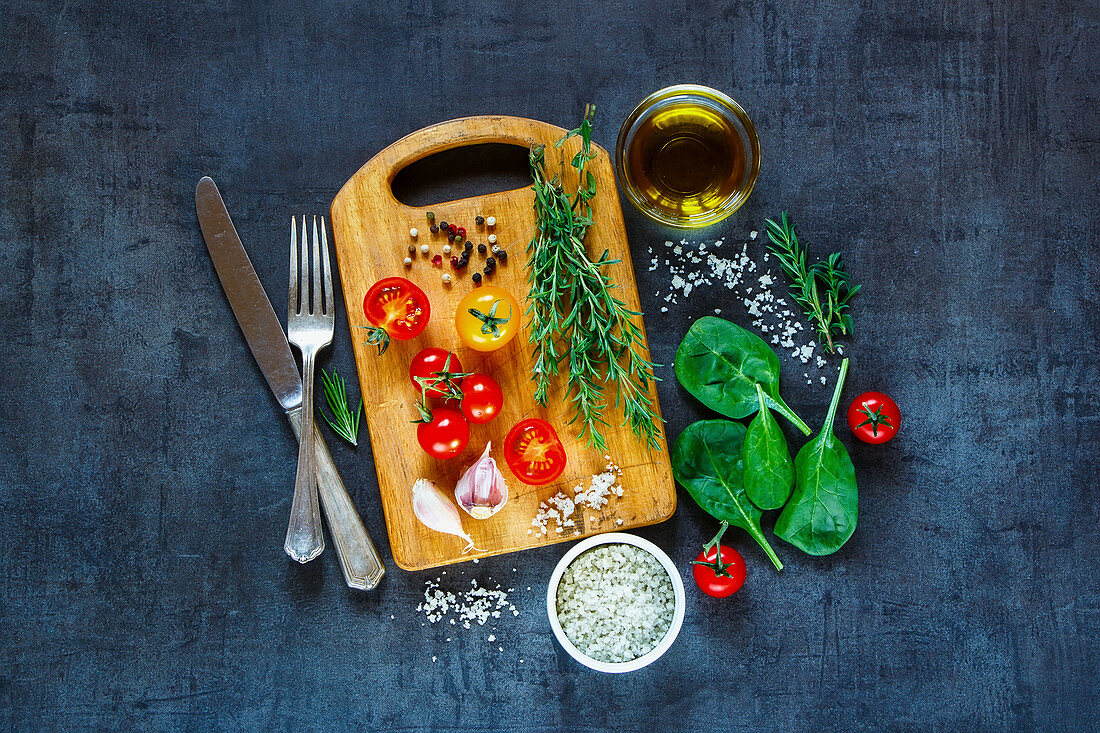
[[949, 149]]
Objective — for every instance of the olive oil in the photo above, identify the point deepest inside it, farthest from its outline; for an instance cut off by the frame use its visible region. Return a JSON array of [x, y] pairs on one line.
[[688, 156], [686, 159]]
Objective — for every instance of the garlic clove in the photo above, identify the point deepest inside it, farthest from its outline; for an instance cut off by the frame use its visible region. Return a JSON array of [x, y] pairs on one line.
[[481, 491], [435, 511]]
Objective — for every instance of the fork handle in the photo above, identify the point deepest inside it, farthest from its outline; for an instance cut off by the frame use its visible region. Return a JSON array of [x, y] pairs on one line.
[[304, 538], [359, 560]]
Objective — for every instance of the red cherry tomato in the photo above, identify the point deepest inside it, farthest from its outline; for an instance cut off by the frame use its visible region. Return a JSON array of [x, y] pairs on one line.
[[428, 363], [397, 308], [533, 452], [482, 398], [874, 417], [719, 577], [446, 435]]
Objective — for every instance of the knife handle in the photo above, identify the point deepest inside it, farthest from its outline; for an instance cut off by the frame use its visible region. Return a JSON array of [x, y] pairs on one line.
[[359, 559]]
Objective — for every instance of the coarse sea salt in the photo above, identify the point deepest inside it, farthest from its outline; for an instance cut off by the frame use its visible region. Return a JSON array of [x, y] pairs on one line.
[[693, 266], [560, 507], [615, 602], [472, 605]]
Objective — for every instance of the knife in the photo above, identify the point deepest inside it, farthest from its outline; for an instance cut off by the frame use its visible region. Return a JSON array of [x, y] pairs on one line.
[[359, 559]]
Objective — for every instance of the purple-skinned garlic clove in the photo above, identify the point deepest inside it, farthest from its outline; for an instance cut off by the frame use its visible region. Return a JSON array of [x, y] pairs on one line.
[[481, 491]]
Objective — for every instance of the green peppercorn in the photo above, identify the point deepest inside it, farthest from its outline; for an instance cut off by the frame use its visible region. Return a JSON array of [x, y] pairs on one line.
[[430, 215]]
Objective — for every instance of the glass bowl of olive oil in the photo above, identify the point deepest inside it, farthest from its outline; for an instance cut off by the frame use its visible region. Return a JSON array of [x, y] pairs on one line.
[[688, 156]]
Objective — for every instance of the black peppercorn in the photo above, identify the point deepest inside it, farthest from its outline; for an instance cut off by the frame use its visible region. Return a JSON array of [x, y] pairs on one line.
[[502, 256], [412, 249], [434, 228], [479, 220], [450, 237], [477, 277], [469, 246], [491, 262], [481, 249], [443, 225]]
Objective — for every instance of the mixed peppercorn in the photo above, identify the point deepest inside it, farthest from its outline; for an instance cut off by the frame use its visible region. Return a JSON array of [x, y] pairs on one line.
[[456, 237]]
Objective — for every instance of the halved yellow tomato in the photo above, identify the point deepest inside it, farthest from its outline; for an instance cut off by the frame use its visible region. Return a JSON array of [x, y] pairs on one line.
[[487, 318]]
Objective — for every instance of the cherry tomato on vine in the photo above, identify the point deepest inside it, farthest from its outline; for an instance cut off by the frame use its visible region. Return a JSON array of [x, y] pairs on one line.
[[719, 571], [482, 398], [397, 308], [429, 364], [874, 417], [487, 318], [534, 452], [445, 435]]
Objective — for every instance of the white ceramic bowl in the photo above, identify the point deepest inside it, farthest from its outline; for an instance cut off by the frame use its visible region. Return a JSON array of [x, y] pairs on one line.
[[616, 538]]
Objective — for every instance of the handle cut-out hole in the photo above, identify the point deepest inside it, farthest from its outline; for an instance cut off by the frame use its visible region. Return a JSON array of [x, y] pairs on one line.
[[459, 173]]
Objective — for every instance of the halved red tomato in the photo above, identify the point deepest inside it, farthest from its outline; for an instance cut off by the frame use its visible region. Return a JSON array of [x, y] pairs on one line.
[[534, 452], [397, 308]]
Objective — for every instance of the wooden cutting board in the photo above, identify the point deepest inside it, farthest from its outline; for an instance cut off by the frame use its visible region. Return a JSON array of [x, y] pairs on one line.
[[371, 232]]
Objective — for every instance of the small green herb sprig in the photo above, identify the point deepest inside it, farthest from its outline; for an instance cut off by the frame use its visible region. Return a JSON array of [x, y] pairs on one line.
[[822, 290], [343, 421], [575, 316]]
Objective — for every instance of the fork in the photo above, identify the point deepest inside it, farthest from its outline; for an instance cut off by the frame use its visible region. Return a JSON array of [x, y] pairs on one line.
[[309, 327]]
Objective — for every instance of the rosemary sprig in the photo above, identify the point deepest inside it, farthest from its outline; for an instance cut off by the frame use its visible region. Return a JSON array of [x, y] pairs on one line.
[[343, 421], [822, 290], [571, 304]]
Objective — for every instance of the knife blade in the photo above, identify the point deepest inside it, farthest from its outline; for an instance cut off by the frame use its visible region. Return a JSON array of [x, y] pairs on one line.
[[262, 330], [359, 560]]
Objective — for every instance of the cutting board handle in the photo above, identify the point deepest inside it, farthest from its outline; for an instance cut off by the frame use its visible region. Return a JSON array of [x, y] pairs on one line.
[[379, 171]]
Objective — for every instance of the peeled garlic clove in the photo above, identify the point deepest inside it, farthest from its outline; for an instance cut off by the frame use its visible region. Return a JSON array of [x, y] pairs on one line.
[[432, 507], [481, 491]]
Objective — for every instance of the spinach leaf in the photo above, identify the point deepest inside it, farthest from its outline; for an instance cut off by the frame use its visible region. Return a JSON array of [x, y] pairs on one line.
[[769, 473], [720, 363], [706, 460], [822, 513]]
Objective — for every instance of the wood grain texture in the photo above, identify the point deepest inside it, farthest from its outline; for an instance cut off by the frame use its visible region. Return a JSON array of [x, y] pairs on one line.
[[371, 233]]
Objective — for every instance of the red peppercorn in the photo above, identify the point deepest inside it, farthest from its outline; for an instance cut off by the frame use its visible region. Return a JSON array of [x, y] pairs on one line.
[[462, 231], [452, 229], [454, 263], [437, 260]]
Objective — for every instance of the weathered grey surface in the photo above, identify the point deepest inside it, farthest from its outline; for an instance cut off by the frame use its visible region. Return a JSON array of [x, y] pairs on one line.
[[949, 149]]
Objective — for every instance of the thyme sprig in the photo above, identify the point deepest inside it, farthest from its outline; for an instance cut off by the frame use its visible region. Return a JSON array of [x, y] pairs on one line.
[[343, 421], [822, 290], [574, 314]]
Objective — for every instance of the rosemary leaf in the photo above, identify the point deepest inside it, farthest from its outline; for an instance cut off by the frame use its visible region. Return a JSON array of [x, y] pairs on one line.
[[822, 290], [571, 306], [343, 421]]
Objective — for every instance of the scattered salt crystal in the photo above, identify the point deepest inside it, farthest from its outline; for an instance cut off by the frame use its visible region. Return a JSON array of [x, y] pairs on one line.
[[560, 508]]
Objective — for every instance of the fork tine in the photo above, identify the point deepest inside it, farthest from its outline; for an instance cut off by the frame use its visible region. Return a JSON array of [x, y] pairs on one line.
[[315, 300], [303, 275], [292, 299], [329, 310]]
